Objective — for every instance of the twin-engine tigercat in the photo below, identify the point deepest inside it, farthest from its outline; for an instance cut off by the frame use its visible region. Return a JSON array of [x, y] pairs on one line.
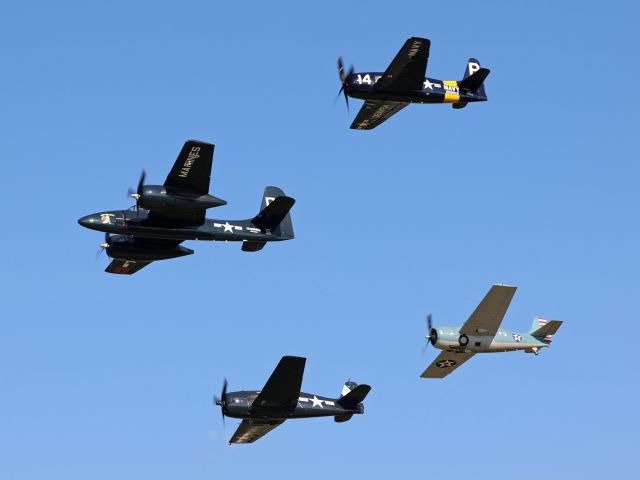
[[166, 215]]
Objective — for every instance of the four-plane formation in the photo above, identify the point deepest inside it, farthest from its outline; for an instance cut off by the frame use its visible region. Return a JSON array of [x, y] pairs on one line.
[[164, 216]]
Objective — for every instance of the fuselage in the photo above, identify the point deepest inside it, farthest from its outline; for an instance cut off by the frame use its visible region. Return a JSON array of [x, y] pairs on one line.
[[134, 222], [450, 338], [362, 86], [239, 405]]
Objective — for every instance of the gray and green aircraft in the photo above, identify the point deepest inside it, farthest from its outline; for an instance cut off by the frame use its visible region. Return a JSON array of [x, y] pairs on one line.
[[481, 333], [166, 215], [281, 399]]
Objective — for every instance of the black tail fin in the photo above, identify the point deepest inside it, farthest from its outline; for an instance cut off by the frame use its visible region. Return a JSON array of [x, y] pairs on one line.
[[351, 399], [474, 77], [355, 396], [274, 213]]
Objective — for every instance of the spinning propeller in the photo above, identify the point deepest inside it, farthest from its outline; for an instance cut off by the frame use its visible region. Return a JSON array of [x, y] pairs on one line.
[[137, 194], [222, 401], [431, 336], [344, 80], [105, 245]]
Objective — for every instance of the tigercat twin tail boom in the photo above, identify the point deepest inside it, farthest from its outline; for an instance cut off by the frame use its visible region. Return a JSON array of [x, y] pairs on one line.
[[481, 333], [166, 215], [404, 82], [281, 399]]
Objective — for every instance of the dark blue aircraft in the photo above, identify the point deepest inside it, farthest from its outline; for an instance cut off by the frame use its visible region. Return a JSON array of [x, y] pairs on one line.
[[281, 399], [404, 82], [166, 215]]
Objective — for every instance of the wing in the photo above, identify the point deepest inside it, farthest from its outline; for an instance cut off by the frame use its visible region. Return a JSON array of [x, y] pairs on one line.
[[125, 267], [192, 169], [374, 112], [282, 390], [251, 430], [408, 68], [445, 363], [487, 317]]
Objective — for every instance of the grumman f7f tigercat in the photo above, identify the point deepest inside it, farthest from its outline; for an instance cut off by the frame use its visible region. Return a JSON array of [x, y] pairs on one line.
[[481, 333], [281, 399], [404, 82], [166, 215]]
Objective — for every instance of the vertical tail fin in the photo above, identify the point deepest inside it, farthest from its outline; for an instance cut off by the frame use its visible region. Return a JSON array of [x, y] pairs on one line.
[[537, 325], [351, 400], [348, 386], [274, 213], [355, 394], [473, 65]]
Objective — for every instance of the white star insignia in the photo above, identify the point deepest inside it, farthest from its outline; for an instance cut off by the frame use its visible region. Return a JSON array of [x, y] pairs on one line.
[[428, 84], [316, 402], [228, 227], [517, 337]]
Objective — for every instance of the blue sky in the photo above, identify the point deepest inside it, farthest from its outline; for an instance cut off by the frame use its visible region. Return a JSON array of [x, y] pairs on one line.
[[106, 376]]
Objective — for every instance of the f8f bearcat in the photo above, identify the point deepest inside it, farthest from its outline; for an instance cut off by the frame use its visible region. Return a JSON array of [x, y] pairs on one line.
[[404, 82], [481, 333], [166, 215], [281, 399]]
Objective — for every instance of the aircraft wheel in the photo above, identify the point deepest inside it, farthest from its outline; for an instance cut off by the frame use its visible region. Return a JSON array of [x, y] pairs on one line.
[[463, 340]]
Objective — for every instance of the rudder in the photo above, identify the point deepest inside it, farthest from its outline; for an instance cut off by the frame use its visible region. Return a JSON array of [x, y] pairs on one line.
[[274, 213], [473, 66], [543, 329]]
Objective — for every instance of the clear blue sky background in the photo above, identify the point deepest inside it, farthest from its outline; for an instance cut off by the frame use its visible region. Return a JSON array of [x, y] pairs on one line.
[[105, 377]]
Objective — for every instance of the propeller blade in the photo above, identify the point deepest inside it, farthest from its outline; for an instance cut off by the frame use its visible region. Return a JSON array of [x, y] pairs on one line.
[[429, 323], [343, 80], [143, 175], [223, 401]]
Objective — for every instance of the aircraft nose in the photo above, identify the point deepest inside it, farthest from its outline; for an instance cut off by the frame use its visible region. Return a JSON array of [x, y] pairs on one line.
[[88, 221]]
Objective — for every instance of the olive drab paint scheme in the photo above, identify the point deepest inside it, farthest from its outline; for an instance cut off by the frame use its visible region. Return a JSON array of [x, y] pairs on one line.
[[166, 215], [281, 399], [481, 333], [404, 82]]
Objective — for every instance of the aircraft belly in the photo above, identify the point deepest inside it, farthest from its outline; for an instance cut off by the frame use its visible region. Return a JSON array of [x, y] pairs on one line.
[[417, 96], [508, 346]]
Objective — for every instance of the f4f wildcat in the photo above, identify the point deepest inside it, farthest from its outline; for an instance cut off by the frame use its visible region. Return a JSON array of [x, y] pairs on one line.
[[281, 399], [404, 82], [166, 215], [481, 333]]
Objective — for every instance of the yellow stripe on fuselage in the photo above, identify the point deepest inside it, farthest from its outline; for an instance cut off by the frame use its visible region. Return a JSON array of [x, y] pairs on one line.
[[452, 92]]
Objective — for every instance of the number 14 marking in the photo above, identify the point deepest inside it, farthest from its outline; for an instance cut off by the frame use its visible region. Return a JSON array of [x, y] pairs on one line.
[[366, 79]]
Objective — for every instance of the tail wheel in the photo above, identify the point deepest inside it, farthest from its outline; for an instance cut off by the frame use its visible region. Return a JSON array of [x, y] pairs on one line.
[[463, 340]]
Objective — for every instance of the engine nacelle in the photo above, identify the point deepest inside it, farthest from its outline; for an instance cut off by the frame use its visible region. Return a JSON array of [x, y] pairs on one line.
[[156, 197], [128, 250]]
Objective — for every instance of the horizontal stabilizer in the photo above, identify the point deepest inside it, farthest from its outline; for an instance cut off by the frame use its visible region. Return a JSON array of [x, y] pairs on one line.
[[343, 418], [548, 329], [473, 82], [271, 216], [355, 396], [249, 246]]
